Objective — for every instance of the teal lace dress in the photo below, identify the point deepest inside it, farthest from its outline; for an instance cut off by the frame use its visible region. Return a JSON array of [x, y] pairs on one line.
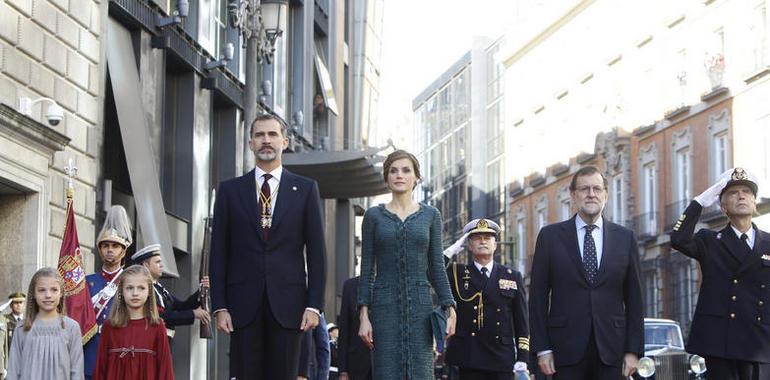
[[400, 262]]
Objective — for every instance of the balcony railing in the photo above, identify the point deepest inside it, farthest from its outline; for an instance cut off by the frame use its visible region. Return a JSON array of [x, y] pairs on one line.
[[673, 211], [646, 226]]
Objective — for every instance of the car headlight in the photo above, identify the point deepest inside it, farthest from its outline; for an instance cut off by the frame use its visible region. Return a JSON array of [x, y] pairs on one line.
[[697, 364], [646, 367]]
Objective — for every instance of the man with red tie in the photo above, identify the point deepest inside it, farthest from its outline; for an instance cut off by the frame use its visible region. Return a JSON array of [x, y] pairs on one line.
[[268, 265]]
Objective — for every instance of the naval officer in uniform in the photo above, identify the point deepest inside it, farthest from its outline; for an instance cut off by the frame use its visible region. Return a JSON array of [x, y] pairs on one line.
[[492, 336], [731, 325], [174, 311]]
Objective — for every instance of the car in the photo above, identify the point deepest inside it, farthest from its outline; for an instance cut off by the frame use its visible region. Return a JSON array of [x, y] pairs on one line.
[[664, 355]]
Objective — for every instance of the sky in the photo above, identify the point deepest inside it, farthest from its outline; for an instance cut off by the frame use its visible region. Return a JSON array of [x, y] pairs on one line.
[[421, 40]]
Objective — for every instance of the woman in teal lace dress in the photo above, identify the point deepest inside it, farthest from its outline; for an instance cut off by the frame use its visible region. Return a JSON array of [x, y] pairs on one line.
[[401, 260]]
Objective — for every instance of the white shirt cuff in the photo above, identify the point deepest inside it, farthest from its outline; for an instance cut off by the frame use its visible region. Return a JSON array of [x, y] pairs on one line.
[[546, 352], [218, 310], [314, 310]]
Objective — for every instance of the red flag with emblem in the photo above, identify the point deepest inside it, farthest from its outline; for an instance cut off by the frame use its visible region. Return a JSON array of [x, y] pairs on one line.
[[77, 299]]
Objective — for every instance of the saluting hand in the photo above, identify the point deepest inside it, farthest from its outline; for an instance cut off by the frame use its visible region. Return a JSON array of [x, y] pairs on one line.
[[711, 195], [457, 247]]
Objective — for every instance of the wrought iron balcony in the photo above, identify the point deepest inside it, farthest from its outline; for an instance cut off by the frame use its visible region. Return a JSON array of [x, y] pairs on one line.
[[673, 211], [646, 226]]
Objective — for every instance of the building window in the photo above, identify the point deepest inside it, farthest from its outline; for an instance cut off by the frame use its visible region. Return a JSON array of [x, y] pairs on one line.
[[495, 127], [565, 209], [617, 199], [680, 290], [650, 291], [683, 175], [719, 155], [541, 213], [495, 188], [541, 219], [649, 218], [759, 34], [521, 244], [494, 74]]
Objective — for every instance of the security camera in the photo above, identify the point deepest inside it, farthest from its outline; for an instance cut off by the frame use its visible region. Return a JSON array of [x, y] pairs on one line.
[[54, 114]]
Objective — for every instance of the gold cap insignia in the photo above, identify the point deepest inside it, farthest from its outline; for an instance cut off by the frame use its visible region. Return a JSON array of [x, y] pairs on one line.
[[739, 174], [482, 224]]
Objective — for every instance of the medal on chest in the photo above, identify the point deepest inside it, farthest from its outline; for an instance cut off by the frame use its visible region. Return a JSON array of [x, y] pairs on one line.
[[466, 278], [266, 217]]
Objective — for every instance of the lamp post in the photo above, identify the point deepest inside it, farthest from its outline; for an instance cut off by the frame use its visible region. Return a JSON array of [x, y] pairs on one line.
[[260, 23]]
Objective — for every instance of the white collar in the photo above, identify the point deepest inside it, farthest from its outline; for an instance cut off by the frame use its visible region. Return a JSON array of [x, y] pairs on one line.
[[113, 272], [750, 233], [276, 173], [579, 223], [489, 266]]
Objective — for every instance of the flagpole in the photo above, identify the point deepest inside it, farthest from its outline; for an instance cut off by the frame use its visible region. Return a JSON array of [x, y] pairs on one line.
[[71, 171]]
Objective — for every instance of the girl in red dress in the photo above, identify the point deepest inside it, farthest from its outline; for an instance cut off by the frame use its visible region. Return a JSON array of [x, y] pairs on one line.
[[133, 343]]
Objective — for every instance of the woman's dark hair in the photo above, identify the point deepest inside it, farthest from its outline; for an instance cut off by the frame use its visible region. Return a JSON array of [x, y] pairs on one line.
[[397, 155]]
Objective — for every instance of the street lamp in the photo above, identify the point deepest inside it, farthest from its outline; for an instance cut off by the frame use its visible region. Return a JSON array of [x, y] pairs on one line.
[[260, 23]]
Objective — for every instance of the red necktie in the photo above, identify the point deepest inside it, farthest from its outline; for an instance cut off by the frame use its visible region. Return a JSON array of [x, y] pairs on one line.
[[265, 190]]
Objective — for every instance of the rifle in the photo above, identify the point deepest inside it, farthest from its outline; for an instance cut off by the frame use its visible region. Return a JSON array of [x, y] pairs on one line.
[[203, 295]]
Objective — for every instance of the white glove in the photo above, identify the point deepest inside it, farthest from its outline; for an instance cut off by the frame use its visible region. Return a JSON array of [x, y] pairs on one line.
[[520, 367], [711, 195], [456, 247]]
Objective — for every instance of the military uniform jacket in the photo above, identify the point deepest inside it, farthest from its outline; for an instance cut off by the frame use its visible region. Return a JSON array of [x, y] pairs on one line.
[[487, 339], [174, 311], [732, 319]]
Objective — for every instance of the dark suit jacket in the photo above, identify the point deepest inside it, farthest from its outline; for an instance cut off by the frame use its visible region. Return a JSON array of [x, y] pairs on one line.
[[244, 267], [504, 337], [611, 308], [732, 319], [354, 357], [176, 312]]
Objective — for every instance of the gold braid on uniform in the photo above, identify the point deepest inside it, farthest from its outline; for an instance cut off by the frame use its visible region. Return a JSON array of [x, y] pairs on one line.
[[524, 343], [480, 317]]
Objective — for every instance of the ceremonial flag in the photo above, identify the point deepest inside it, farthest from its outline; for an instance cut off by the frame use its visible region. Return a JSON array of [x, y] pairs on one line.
[[77, 299]]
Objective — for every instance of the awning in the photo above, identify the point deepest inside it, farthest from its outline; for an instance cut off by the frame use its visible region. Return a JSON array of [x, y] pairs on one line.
[[342, 174]]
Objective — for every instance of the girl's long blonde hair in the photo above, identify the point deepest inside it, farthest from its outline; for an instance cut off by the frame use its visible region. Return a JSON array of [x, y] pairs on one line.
[[32, 308], [119, 316]]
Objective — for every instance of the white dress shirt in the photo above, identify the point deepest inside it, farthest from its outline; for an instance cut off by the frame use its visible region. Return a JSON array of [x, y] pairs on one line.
[[597, 234], [273, 183], [750, 233], [489, 267]]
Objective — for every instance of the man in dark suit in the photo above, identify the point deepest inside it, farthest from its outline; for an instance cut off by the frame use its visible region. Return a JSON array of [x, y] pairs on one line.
[[267, 229], [585, 295], [730, 328], [354, 358], [492, 336]]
